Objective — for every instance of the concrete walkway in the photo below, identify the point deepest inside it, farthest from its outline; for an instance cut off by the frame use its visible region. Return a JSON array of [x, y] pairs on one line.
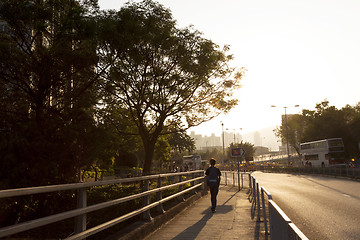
[[232, 220]]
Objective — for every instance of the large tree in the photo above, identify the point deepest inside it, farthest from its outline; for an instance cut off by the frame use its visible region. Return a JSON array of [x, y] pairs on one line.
[[163, 75], [47, 77]]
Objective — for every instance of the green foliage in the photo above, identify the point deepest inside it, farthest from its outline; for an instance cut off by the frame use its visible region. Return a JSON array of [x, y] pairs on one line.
[[181, 144], [162, 152], [324, 122], [125, 159], [248, 148], [47, 102], [180, 141], [26, 208], [125, 149], [47, 92], [107, 193], [216, 153], [295, 132]]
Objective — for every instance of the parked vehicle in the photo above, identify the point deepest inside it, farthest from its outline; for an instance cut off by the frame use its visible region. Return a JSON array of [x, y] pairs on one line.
[[192, 162]]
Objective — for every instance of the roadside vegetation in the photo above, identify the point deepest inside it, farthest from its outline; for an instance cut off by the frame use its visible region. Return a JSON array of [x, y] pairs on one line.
[[325, 121]]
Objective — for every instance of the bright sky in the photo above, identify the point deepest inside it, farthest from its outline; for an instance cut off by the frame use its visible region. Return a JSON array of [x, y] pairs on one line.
[[297, 52]]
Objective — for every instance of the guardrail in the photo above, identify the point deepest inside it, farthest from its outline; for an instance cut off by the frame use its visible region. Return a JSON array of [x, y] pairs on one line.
[[196, 181], [281, 227]]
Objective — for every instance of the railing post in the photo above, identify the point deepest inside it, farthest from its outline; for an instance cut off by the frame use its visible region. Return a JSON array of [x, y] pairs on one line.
[[146, 201], [258, 200], [238, 176], [254, 189], [264, 210], [160, 208], [233, 179], [249, 181], [80, 223], [242, 180], [225, 178], [181, 197]]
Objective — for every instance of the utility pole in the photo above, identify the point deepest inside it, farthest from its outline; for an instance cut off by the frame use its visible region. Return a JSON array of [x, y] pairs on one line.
[[287, 134], [223, 142]]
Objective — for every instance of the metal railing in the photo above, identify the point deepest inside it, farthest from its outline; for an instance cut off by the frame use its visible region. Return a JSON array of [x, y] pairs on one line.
[[196, 181], [281, 227], [235, 178]]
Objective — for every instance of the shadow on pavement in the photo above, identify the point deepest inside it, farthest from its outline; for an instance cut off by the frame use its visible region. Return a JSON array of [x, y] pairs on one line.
[[194, 230]]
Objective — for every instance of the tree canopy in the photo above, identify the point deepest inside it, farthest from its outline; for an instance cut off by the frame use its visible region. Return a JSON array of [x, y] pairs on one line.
[[47, 89], [165, 77]]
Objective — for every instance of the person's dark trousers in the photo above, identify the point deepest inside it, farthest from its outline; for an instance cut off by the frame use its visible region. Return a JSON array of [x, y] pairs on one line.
[[214, 192]]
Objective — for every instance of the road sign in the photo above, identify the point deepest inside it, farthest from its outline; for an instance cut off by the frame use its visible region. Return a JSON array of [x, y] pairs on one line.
[[237, 152]]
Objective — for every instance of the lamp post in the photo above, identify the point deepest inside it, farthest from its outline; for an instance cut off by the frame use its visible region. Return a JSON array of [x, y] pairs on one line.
[[287, 133], [234, 129], [237, 157], [223, 143]]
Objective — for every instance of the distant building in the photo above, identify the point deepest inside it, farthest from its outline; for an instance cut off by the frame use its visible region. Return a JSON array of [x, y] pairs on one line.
[[209, 142], [197, 138], [257, 139], [264, 137], [230, 137], [205, 142]]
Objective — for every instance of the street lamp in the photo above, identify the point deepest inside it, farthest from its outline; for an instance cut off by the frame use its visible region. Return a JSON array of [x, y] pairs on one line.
[[223, 143], [237, 157], [234, 129], [287, 133]]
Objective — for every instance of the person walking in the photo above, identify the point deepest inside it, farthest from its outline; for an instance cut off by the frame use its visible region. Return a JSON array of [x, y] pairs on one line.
[[213, 180]]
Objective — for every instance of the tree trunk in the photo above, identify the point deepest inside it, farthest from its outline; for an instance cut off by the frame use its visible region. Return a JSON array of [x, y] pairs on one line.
[[149, 148], [149, 140]]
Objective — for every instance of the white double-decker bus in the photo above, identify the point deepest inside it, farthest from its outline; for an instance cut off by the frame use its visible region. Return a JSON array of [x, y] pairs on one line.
[[323, 153]]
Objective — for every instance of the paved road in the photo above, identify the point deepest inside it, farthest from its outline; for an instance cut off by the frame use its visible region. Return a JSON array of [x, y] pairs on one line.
[[321, 207]]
